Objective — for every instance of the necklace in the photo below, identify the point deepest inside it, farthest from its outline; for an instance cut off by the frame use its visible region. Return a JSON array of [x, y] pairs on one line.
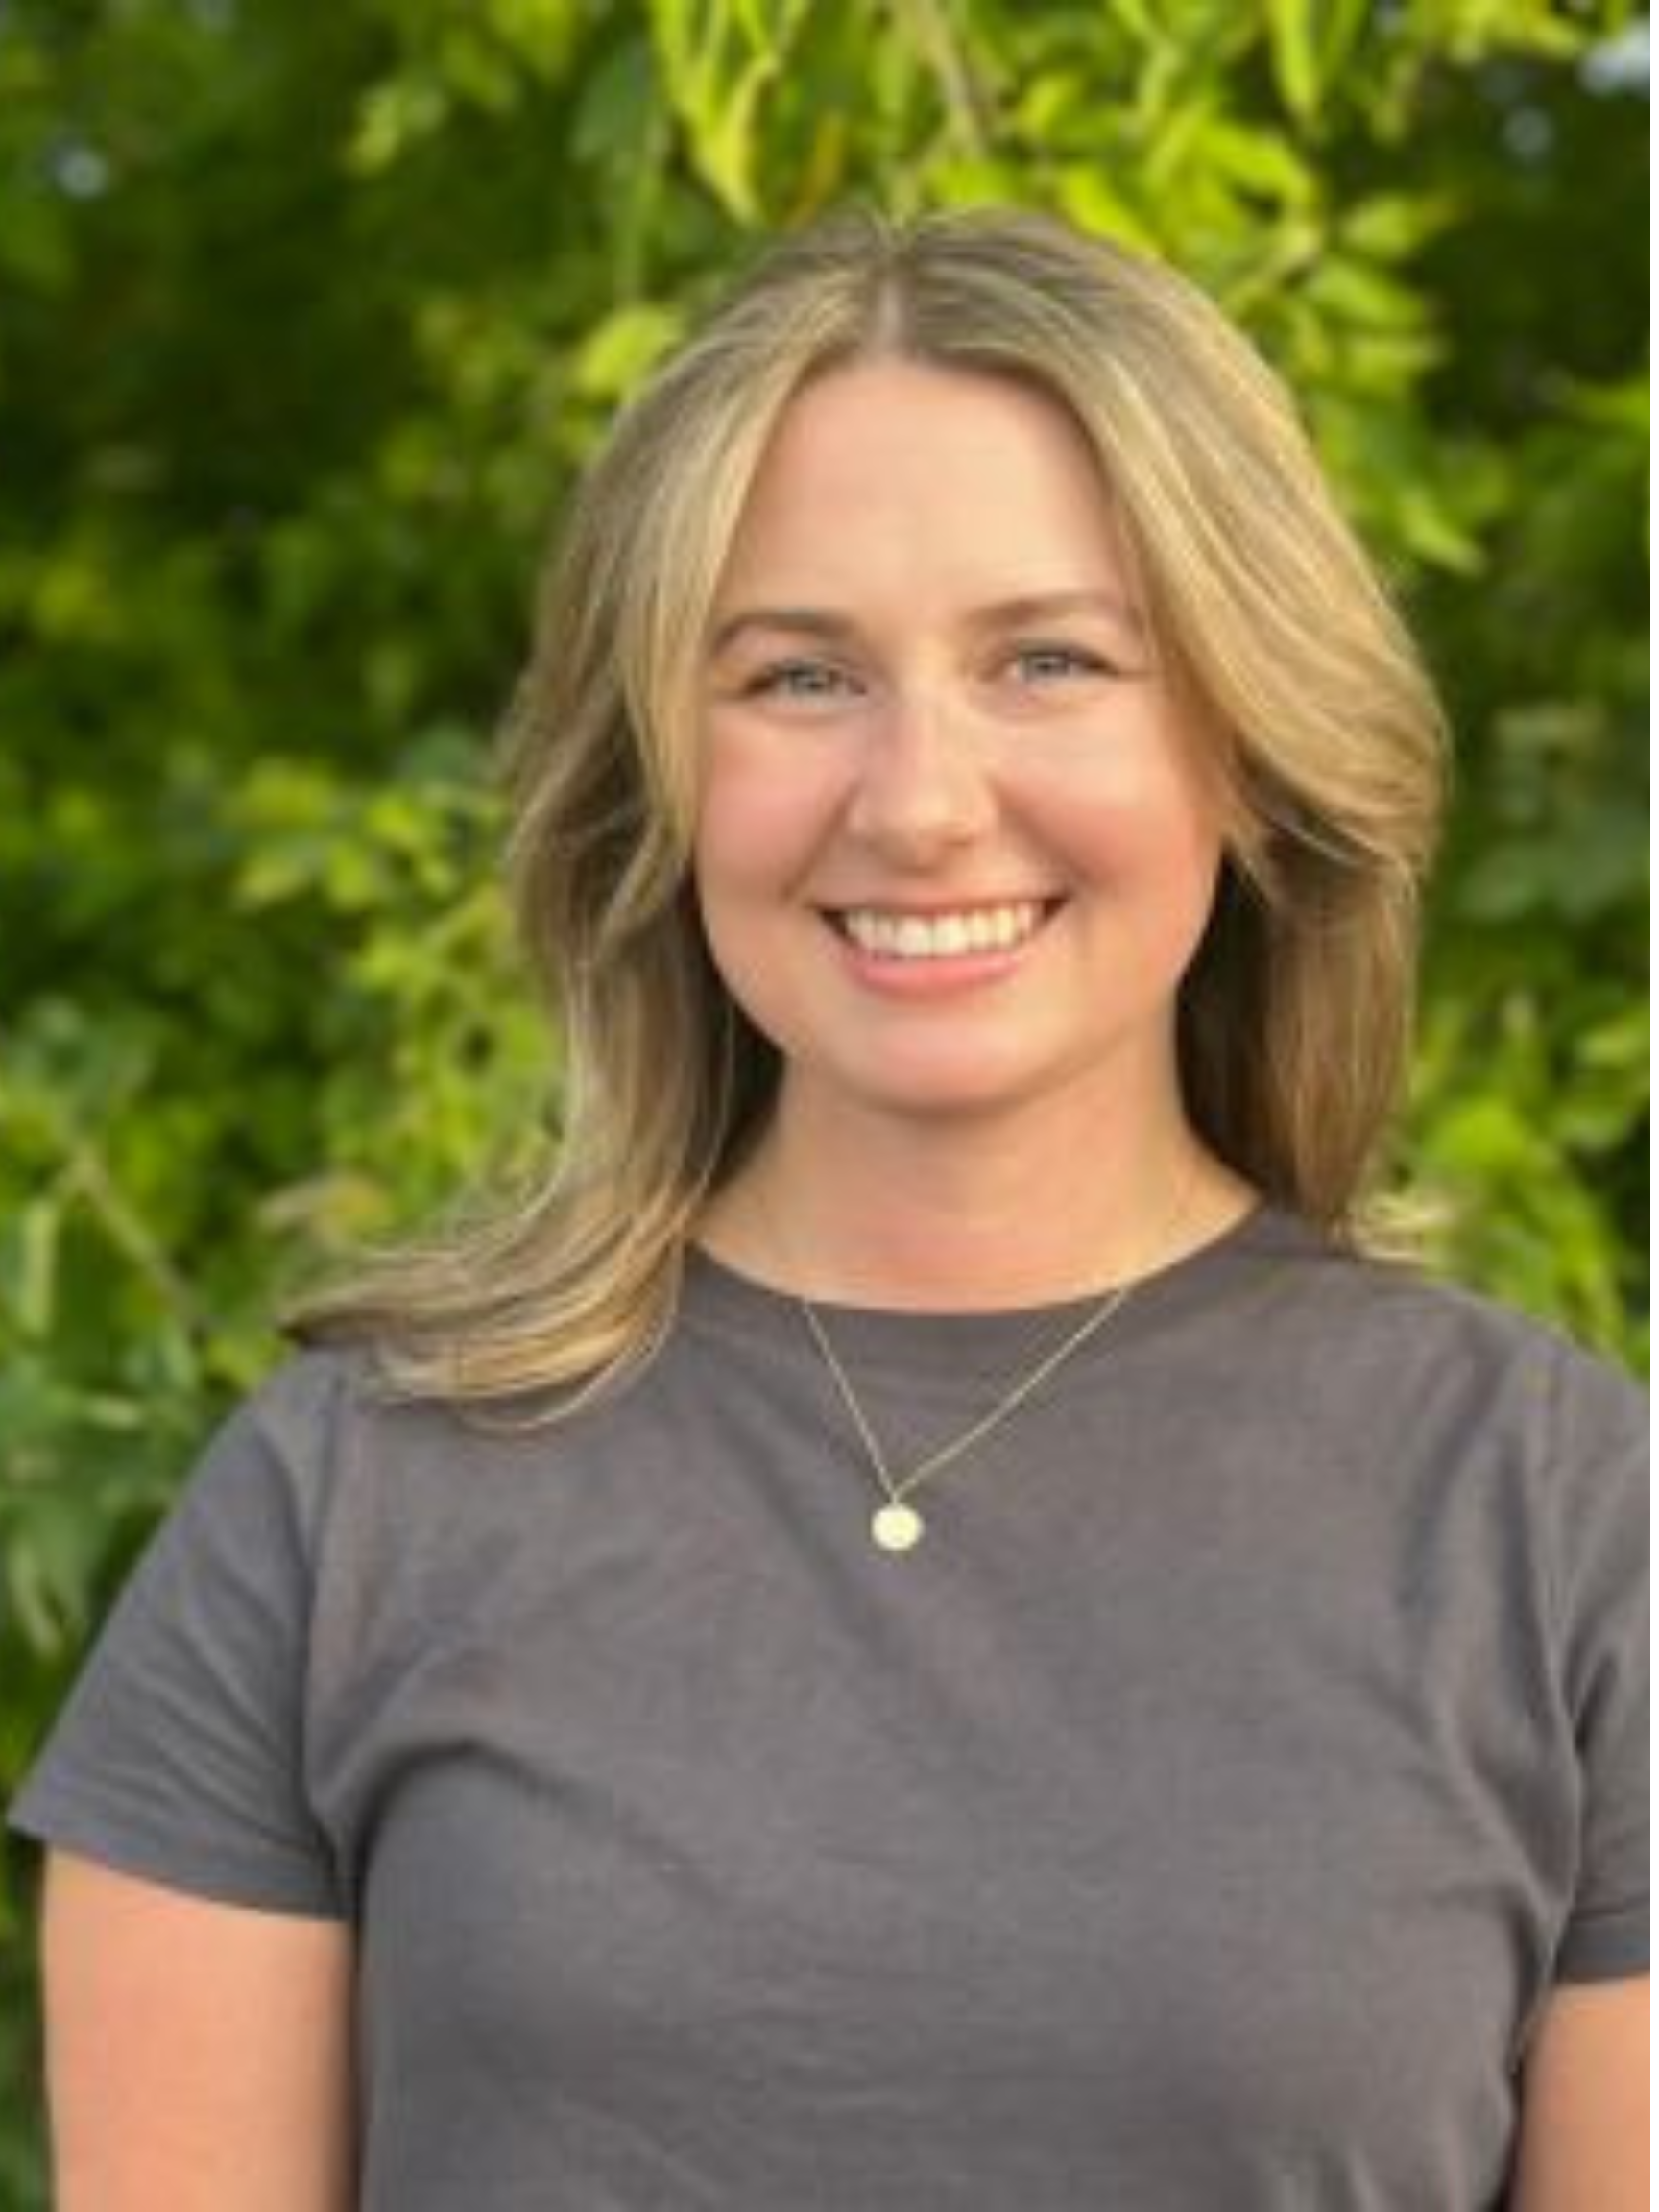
[[896, 1526]]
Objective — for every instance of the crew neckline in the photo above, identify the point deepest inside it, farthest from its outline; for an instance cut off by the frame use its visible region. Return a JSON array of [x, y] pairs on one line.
[[717, 1296]]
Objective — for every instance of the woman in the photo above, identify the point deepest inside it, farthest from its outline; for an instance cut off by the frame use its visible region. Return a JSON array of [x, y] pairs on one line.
[[921, 1629]]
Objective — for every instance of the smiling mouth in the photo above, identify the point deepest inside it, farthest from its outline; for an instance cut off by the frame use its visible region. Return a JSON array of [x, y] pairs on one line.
[[953, 934]]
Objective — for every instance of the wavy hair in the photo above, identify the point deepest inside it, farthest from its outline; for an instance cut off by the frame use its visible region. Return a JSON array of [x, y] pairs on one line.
[[1295, 1016]]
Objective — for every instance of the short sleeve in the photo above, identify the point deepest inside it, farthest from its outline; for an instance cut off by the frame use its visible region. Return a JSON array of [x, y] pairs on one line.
[[1602, 1474], [179, 1755]]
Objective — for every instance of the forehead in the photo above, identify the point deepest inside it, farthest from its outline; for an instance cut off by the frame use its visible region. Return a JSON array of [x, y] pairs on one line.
[[885, 472]]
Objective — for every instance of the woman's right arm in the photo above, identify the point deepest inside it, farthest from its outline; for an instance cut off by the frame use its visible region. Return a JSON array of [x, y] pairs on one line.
[[199, 2054]]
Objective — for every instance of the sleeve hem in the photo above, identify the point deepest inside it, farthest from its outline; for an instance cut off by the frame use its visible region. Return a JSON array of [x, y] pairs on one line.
[[264, 1884], [1605, 1948]]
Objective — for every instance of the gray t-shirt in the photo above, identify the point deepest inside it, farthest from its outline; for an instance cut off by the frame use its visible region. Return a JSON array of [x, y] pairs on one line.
[[1197, 1818]]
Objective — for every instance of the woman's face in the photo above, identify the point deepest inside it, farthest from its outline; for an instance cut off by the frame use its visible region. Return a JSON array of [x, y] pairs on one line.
[[955, 846]]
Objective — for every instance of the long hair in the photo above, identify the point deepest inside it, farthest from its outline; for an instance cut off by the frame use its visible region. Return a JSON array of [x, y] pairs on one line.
[[1294, 1019]]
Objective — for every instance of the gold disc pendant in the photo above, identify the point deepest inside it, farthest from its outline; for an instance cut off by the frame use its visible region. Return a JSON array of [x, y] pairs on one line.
[[897, 1526]]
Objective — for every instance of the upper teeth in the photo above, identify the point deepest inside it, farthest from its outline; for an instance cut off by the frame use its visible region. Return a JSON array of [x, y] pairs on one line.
[[939, 936]]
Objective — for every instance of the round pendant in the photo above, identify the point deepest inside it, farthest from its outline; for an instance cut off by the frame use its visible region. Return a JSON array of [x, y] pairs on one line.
[[897, 1526]]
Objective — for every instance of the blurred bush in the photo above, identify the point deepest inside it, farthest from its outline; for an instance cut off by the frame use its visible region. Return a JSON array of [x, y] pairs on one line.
[[311, 308]]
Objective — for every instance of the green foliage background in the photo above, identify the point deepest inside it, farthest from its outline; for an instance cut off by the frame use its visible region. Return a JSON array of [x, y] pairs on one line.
[[310, 308]]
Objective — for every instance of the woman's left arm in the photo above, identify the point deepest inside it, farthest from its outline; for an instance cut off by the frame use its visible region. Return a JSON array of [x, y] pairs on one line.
[[1584, 2103]]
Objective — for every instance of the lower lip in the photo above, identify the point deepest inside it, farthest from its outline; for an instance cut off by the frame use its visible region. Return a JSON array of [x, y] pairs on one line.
[[942, 974]]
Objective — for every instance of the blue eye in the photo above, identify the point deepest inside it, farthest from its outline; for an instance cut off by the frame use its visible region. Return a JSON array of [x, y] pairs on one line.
[[1045, 663], [796, 680]]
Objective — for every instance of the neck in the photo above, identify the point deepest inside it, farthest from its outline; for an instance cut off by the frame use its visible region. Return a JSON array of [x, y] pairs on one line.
[[869, 1210]]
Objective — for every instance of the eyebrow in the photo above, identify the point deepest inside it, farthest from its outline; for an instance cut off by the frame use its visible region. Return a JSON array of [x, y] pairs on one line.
[[1002, 613]]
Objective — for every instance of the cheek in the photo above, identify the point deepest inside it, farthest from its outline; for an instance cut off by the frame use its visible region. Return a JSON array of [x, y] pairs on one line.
[[1147, 820], [748, 847], [758, 817], [1148, 847]]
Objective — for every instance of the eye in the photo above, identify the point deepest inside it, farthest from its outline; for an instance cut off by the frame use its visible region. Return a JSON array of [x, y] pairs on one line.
[[1055, 663], [807, 679]]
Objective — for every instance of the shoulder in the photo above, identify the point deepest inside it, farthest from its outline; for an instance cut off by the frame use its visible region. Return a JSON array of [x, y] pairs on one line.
[[1417, 1332], [1429, 1390], [292, 1467], [324, 1414], [1576, 1397], [285, 1434]]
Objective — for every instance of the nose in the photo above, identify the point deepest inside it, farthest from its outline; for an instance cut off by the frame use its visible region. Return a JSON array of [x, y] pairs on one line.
[[922, 785]]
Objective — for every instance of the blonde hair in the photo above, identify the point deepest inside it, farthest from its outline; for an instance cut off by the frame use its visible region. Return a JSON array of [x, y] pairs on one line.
[[1295, 1018]]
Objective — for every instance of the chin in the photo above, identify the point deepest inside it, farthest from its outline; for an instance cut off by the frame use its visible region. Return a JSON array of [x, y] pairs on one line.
[[953, 1095]]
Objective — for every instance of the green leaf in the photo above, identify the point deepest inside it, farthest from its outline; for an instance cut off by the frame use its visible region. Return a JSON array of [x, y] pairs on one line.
[[1393, 226], [1364, 294], [29, 1265], [1295, 56], [621, 351], [1263, 162]]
